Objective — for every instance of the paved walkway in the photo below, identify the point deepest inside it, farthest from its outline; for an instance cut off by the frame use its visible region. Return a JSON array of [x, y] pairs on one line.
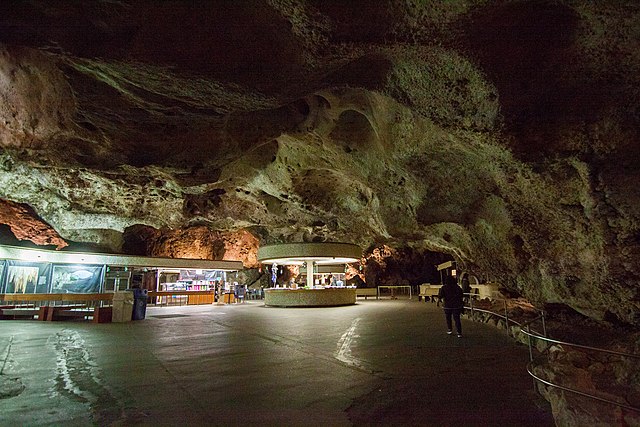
[[378, 362]]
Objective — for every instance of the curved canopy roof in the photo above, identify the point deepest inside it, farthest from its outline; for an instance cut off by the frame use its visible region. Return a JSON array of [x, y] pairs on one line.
[[320, 253], [41, 255]]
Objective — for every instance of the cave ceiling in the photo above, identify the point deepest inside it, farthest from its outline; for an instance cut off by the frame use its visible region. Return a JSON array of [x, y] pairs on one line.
[[503, 133]]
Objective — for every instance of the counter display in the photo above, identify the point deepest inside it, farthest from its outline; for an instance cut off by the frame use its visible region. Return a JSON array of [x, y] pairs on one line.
[[187, 286], [316, 297]]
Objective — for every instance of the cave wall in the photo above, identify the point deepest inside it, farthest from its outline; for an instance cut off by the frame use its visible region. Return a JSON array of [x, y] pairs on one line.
[[503, 134]]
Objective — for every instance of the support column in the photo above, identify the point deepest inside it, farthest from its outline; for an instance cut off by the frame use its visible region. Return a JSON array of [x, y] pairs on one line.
[[310, 274]]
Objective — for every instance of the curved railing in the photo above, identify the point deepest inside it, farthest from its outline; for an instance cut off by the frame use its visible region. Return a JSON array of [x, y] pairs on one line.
[[578, 392], [505, 316], [525, 328], [530, 334]]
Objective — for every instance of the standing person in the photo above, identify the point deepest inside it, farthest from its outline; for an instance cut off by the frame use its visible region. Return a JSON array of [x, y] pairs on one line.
[[240, 294], [452, 295], [466, 288]]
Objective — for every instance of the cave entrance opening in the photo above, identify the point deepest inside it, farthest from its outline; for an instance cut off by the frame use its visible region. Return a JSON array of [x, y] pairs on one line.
[[414, 268]]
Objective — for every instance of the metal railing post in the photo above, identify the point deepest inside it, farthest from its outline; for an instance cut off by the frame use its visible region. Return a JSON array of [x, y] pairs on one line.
[[473, 317], [506, 317], [530, 345], [535, 386], [544, 325]]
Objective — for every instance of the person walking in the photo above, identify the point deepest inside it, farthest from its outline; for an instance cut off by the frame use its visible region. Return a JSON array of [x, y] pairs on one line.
[[452, 295]]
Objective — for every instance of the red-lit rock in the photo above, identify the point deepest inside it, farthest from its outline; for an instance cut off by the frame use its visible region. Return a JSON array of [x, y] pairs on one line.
[[26, 225], [194, 242]]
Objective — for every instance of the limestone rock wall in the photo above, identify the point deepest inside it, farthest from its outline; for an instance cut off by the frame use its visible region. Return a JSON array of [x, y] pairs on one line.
[[503, 134], [610, 377], [197, 242], [25, 225], [38, 102]]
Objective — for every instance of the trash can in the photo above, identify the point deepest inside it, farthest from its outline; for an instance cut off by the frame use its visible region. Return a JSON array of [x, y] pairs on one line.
[[122, 307], [139, 303]]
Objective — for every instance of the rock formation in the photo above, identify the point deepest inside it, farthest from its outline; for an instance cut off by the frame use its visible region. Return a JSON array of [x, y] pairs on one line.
[[503, 134]]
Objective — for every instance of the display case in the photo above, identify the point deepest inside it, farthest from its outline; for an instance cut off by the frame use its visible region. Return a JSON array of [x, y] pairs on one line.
[[200, 285], [172, 299], [185, 286]]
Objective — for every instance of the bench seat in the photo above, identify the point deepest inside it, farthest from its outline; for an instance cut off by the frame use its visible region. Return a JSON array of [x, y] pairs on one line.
[[59, 306], [18, 313], [97, 314], [429, 292], [366, 292]]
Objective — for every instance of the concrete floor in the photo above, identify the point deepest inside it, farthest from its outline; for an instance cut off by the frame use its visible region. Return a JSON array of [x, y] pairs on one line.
[[377, 362]]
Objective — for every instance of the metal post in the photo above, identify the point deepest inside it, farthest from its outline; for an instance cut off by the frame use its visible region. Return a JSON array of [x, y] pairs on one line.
[[473, 317], [506, 317], [310, 283], [544, 325], [530, 345], [531, 354]]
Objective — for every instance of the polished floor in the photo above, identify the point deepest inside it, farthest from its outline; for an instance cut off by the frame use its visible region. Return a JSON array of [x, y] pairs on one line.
[[386, 362]]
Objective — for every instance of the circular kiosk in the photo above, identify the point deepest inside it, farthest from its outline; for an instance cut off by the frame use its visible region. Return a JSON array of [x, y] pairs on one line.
[[315, 256]]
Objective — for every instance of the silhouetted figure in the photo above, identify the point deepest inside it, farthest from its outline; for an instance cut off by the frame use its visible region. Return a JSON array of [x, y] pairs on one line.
[[239, 292], [466, 288], [452, 295]]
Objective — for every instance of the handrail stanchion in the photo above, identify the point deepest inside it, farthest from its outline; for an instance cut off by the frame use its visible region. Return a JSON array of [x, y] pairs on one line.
[[535, 389], [544, 325], [506, 317], [473, 317], [530, 345]]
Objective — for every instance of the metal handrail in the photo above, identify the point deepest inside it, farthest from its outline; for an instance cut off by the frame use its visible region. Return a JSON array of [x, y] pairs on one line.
[[544, 337], [506, 313], [581, 393], [586, 347]]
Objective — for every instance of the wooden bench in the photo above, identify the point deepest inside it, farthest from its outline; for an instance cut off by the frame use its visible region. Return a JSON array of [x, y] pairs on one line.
[[61, 312], [486, 290], [70, 306], [429, 292], [367, 292], [28, 311]]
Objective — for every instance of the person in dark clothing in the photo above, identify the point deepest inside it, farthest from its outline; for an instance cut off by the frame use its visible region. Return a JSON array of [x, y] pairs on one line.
[[452, 295], [466, 290], [466, 287]]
